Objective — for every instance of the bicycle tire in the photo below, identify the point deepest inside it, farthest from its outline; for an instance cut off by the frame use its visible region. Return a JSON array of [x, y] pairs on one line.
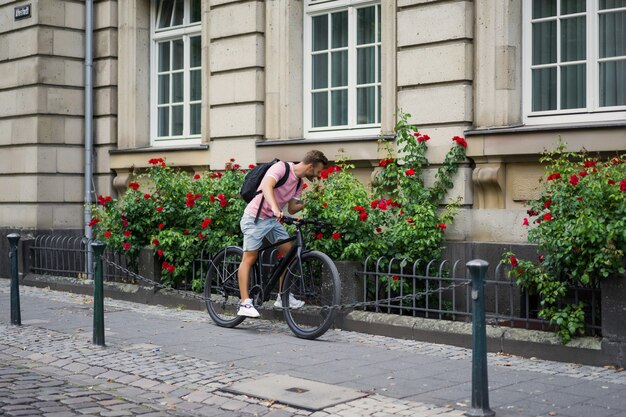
[[317, 284], [221, 287]]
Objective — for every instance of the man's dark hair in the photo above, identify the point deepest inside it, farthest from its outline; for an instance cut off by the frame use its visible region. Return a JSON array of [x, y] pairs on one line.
[[315, 157]]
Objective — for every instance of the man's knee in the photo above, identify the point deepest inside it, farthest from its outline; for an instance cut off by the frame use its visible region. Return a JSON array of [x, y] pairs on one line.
[[249, 258]]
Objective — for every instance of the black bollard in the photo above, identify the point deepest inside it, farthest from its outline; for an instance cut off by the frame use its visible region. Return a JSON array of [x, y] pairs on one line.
[[98, 295], [16, 315], [480, 385]]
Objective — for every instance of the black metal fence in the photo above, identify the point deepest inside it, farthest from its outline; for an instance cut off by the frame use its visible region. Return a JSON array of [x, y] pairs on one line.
[[420, 289], [507, 304]]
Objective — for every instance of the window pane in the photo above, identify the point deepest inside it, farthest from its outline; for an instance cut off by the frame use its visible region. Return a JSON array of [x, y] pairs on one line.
[[573, 39], [612, 34], [339, 68], [378, 10], [178, 13], [339, 107], [166, 13], [379, 105], [320, 109], [178, 87], [613, 83], [544, 89], [195, 11], [320, 71], [195, 52], [366, 65], [177, 120], [573, 86], [195, 119], [365, 26], [365, 108], [320, 32], [164, 56], [573, 6], [164, 121], [178, 59], [196, 85], [544, 43], [164, 88], [544, 8], [379, 60], [611, 4], [340, 29]]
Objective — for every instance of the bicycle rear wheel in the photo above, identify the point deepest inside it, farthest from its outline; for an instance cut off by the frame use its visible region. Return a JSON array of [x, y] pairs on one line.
[[316, 282], [221, 287]]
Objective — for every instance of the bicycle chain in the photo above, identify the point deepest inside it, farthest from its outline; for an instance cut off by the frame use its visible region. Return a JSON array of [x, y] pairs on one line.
[[381, 303]]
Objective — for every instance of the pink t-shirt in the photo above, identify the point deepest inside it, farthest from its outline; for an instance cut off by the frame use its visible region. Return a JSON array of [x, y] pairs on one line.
[[282, 194]]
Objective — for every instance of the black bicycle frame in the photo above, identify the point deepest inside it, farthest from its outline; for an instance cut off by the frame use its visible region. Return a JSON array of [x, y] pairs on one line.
[[295, 252]]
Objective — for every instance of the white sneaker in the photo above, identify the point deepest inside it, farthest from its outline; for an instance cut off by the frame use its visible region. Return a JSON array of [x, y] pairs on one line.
[[293, 303], [246, 308]]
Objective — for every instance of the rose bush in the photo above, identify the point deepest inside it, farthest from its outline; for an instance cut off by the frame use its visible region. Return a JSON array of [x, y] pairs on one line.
[[579, 226], [179, 215]]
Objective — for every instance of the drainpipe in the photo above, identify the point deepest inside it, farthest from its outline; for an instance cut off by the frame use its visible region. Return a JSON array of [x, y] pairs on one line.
[[88, 133]]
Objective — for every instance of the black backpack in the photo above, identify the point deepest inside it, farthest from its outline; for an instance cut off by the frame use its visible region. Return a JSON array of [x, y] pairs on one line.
[[252, 181]]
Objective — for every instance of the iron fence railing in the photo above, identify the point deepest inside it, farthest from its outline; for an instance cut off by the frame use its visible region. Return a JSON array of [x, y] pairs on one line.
[[380, 281], [506, 303]]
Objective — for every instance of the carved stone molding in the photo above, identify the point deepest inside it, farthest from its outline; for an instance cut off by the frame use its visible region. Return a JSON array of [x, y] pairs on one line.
[[121, 179], [489, 186]]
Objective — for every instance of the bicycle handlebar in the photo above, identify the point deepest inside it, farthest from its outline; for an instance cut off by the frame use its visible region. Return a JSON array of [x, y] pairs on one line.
[[302, 222]]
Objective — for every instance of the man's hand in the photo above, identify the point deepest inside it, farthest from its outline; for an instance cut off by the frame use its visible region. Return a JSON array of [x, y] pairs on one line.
[[277, 213], [295, 205]]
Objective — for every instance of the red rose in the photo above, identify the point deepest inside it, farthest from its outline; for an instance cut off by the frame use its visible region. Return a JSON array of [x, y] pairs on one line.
[[336, 236], [190, 203], [359, 209], [127, 233], [409, 172], [395, 278], [171, 269], [583, 173], [382, 204], [126, 246], [93, 222], [525, 223], [107, 234], [159, 209], [554, 176], [212, 199], [622, 185], [410, 221], [374, 204], [378, 230], [232, 159], [324, 205], [579, 198], [573, 180], [206, 223], [223, 203], [460, 141], [547, 204], [363, 216], [513, 261], [251, 166], [547, 217], [441, 225], [125, 223], [305, 186], [161, 226], [133, 185], [541, 258], [324, 174], [201, 236], [319, 236], [160, 253], [185, 232], [221, 197], [611, 182], [156, 242], [589, 164], [146, 196], [196, 177]]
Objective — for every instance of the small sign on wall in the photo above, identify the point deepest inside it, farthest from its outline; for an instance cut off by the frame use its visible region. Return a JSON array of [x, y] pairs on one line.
[[22, 12]]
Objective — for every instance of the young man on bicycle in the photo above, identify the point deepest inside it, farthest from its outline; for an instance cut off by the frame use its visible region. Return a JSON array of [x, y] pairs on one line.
[[268, 205]]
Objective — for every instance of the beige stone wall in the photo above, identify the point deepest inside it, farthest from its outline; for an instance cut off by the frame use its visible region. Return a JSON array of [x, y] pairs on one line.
[[41, 112]]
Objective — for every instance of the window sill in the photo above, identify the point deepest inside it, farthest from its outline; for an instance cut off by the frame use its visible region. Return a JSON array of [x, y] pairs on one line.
[[158, 149], [180, 156], [544, 128], [287, 142]]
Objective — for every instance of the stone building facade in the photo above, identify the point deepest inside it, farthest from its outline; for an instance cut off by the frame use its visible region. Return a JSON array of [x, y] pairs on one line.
[[200, 81]]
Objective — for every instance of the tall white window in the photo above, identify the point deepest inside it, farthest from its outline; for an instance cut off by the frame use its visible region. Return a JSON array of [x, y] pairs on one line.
[[342, 46], [575, 60], [176, 72]]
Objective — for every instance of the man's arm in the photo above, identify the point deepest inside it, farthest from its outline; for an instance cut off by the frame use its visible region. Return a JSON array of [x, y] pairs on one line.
[[267, 187], [295, 205]]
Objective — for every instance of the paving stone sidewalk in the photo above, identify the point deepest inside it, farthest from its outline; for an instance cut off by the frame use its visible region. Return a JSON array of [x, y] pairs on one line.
[[161, 361]]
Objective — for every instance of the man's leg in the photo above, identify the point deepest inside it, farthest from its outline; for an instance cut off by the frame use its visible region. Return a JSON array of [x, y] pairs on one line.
[[243, 274]]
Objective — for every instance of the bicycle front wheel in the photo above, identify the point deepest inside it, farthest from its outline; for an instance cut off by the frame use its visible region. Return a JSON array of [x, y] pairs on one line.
[[221, 287], [316, 282]]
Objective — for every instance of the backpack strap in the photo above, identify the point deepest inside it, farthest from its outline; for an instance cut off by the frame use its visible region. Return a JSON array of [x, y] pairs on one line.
[[279, 183]]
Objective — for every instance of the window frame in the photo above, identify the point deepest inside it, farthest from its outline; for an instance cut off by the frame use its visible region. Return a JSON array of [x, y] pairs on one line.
[[185, 31], [314, 8], [592, 112]]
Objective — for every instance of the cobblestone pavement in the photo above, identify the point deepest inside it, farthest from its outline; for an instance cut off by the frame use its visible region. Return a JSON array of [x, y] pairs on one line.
[[161, 361]]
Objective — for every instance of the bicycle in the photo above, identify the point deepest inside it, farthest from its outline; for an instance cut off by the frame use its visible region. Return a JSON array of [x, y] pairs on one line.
[[311, 276]]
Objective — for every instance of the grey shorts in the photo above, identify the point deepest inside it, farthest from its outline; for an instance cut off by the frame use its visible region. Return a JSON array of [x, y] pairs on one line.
[[253, 233]]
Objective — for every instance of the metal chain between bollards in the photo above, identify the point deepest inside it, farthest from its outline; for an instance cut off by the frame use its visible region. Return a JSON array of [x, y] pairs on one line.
[[480, 385], [16, 315], [188, 294]]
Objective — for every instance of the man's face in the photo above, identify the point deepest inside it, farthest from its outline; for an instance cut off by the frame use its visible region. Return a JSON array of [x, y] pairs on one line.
[[313, 171]]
